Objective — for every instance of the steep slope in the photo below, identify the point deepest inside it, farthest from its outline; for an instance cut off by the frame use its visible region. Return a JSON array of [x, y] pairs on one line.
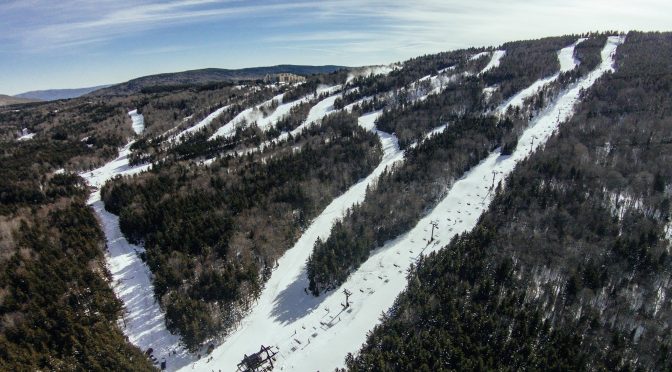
[[569, 268]]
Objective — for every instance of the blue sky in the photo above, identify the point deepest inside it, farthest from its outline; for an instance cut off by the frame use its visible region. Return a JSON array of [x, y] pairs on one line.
[[75, 43]]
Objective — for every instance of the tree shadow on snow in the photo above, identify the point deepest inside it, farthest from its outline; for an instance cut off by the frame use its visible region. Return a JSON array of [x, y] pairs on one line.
[[294, 302]]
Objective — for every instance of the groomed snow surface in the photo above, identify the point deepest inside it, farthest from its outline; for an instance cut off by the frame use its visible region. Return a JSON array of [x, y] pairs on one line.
[[316, 333], [567, 63], [497, 56], [138, 121], [143, 321]]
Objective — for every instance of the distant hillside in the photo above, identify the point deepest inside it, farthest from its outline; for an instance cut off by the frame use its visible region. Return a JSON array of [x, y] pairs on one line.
[[54, 94], [6, 100], [210, 75]]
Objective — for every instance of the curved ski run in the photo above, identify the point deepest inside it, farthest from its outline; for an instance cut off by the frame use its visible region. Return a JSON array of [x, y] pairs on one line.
[[143, 321], [283, 303], [317, 333], [567, 63]]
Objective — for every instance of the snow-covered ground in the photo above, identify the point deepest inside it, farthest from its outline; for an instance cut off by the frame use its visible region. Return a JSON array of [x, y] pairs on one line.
[[497, 56], [567, 63], [478, 55], [201, 124], [371, 70], [316, 333], [283, 301], [138, 121], [143, 321], [25, 135], [247, 116]]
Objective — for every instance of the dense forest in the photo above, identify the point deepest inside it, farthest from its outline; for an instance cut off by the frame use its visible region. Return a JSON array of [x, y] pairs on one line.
[[57, 309], [569, 268], [402, 195], [212, 234]]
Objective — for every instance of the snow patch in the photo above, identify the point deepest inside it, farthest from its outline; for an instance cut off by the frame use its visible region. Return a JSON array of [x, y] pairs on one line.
[[497, 56], [567, 63], [138, 121], [371, 70], [201, 124]]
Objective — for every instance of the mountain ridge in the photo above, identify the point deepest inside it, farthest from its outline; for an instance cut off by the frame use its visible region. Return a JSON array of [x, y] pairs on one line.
[[209, 75], [56, 94]]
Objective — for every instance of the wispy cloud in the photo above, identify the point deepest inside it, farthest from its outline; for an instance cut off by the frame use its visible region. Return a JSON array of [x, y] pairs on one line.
[[72, 38], [79, 22], [48, 24]]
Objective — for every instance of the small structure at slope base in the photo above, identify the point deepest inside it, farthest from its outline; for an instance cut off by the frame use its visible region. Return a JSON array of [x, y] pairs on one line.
[[261, 361]]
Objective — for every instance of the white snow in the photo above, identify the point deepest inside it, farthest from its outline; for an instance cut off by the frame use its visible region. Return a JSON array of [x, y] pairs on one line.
[[566, 57], [138, 121], [143, 321], [201, 124], [567, 63], [494, 61], [283, 302], [248, 116], [25, 135], [316, 333], [282, 110], [371, 70], [478, 55]]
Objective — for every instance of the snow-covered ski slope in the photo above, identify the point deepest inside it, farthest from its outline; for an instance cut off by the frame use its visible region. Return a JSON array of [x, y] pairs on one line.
[[496, 58], [246, 116], [201, 124], [567, 63], [283, 301], [138, 121], [316, 333], [143, 321]]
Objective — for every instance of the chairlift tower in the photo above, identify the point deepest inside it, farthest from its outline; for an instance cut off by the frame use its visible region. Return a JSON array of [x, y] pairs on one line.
[[435, 225], [347, 298]]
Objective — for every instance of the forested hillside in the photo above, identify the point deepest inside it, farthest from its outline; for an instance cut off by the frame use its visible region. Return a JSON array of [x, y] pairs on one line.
[[213, 234], [402, 196], [570, 267], [57, 310], [183, 219]]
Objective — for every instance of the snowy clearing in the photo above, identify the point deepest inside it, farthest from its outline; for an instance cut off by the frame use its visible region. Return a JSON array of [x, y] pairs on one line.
[[567, 63], [201, 124], [138, 121], [143, 321], [497, 56], [315, 333], [25, 135], [478, 55], [371, 70], [246, 116]]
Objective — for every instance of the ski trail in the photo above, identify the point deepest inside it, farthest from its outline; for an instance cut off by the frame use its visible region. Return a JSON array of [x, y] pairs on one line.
[[567, 63], [138, 121], [143, 321], [317, 333], [478, 55], [497, 56], [283, 301], [316, 113], [248, 115], [201, 124]]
